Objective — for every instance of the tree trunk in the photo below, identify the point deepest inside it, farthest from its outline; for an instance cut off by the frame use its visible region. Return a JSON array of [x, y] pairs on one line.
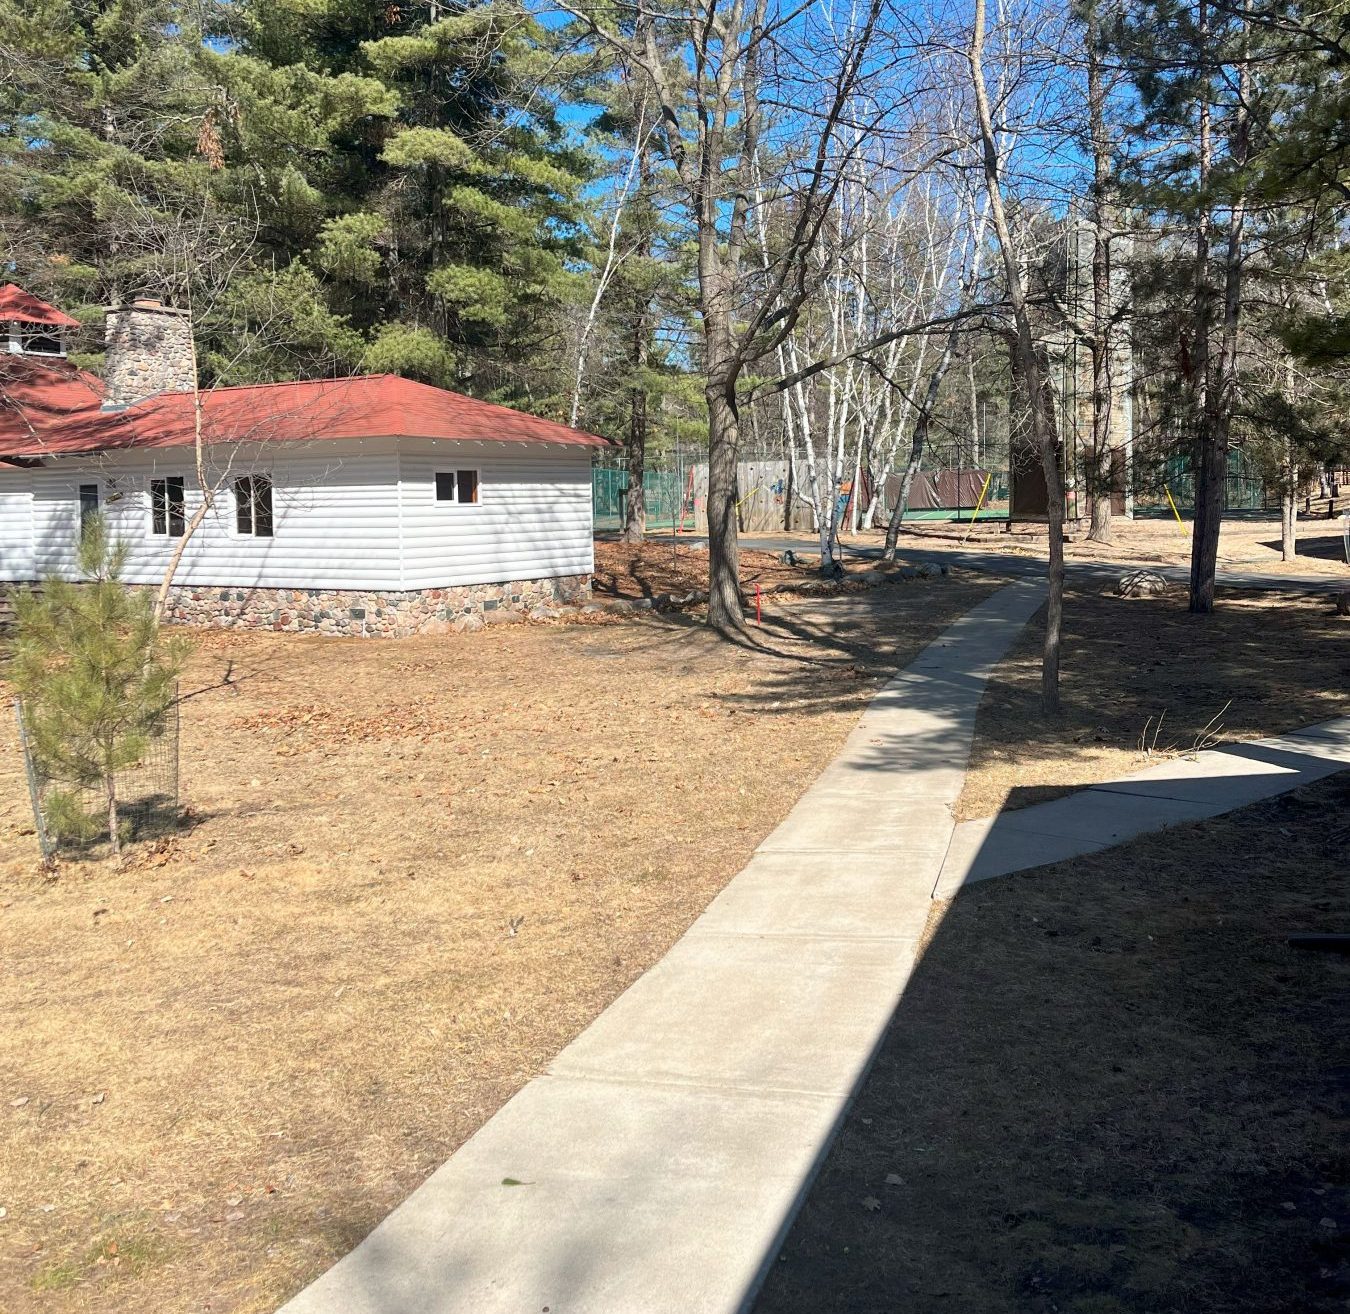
[[1218, 387], [1211, 472], [635, 502], [724, 557], [828, 498], [1101, 469], [1054, 606], [1028, 366], [918, 442], [113, 837], [1289, 522]]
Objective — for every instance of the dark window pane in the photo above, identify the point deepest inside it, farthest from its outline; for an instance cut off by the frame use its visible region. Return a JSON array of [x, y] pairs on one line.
[[243, 505], [88, 504], [466, 482], [40, 338], [262, 506], [175, 497], [445, 487], [158, 507]]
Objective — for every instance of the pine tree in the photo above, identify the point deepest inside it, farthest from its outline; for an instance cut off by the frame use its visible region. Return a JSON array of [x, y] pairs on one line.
[[95, 677], [446, 228]]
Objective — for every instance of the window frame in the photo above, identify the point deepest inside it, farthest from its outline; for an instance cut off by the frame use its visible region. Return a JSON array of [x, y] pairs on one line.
[[454, 499], [99, 500], [247, 501], [24, 332], [169, 482]]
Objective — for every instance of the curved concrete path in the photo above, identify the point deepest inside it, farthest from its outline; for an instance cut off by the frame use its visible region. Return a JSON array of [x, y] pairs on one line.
[[1184, 789], [658, 1164]]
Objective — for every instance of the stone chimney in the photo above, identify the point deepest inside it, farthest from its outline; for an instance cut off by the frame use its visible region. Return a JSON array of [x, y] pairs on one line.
[[148, 348]]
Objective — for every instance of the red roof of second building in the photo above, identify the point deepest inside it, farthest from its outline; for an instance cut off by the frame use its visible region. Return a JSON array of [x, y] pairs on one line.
[[51, 411], [16, 304], [47, 405]]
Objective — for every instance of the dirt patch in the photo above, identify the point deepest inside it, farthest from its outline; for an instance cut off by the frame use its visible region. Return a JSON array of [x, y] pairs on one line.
[[659, 566], [1246, 545], [1111, 1088], [1259, 665], [416, 869]]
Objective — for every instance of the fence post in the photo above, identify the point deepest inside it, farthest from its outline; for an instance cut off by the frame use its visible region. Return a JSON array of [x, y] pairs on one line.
[[34, 793]]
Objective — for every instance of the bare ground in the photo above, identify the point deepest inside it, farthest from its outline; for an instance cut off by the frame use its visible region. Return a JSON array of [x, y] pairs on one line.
[[1260, 664], [415, 869], [1246, 545], [666, 565], [1111, 1087]]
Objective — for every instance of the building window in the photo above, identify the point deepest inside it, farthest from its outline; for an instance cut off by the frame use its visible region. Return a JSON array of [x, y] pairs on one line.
[[457, 486], [253, 505], [166, 506], [88, 505], [36, 339]]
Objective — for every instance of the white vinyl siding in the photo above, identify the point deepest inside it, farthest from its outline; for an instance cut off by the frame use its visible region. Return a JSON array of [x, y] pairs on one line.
[[347, 515], [16, 525], [335, 508], [532, 519]]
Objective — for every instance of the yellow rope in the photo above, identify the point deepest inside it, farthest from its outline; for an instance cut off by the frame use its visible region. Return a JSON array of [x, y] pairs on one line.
[[975, 515], [1173, 505]]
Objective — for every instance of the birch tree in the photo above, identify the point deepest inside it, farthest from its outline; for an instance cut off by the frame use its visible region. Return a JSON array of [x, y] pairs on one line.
[[1027, 352], [746, 89]]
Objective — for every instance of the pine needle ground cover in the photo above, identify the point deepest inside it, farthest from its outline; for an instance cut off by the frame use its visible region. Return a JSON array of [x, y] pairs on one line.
[[416, 869], [666, 565], [1259, 665]]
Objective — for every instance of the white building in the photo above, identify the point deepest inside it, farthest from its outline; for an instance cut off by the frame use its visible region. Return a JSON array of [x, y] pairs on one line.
[[366, 505]]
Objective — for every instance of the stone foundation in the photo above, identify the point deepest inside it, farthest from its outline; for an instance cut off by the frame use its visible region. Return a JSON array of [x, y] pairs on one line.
[[384, 614]]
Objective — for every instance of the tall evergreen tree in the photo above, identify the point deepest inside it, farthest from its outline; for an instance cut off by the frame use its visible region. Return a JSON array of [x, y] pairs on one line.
[[444, 229]]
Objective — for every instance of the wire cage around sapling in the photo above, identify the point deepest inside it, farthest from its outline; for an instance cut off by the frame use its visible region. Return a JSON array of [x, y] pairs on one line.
[[70, 810]]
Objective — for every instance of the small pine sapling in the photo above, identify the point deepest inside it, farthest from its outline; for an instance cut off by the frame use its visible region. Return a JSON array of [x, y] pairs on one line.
[[96, 679]]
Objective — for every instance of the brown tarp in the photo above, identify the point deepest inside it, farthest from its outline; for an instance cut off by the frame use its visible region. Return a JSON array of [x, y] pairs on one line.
[[940, 490]]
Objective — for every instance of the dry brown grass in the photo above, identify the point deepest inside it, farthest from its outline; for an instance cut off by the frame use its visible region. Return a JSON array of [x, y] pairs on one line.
[[1110, 1088], [417, 869], [1261, 664]]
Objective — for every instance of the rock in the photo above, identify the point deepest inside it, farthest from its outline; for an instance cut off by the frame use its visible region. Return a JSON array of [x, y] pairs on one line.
[[643, 604], [1343, 604], [870, 577], [662, 601], [542, 613], [504, 616], [945, 568], [1141, 584], [928, 570], [908, 572], [591, 608], [469, 624]]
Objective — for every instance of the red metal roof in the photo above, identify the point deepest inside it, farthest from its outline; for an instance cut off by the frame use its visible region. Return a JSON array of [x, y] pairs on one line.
[[45, 410], [15, 303], [49, 405]]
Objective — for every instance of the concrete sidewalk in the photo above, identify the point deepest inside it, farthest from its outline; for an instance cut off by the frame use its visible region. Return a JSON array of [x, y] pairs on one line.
[[1183, 789], [659, 1163]]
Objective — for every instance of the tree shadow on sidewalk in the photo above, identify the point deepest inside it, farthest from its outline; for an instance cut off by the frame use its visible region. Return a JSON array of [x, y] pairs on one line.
[[1111, 1086]]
